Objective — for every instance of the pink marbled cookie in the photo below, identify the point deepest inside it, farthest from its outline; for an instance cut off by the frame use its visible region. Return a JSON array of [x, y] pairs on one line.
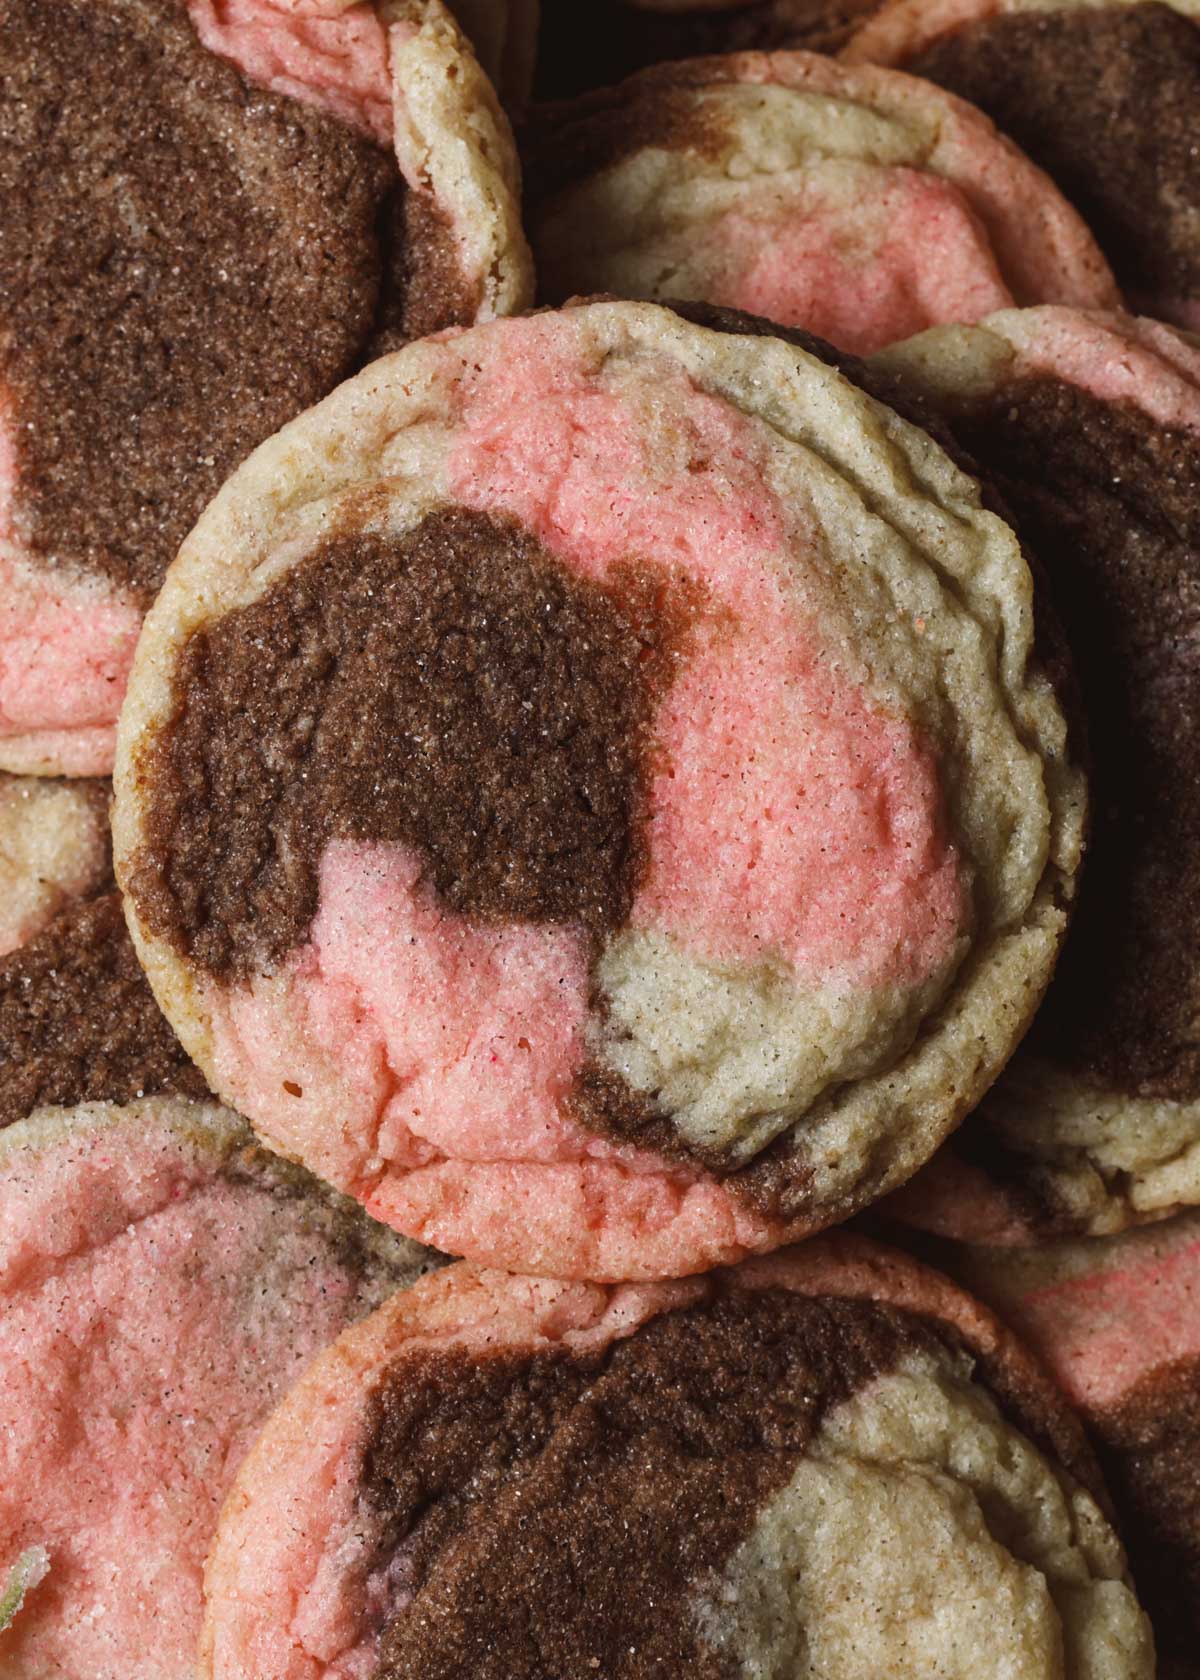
[[213, 212], [1089, 425], [1118, 1323], [857, 203], [586, 790], [510, 1477], [1101, 93], [162, 1282]]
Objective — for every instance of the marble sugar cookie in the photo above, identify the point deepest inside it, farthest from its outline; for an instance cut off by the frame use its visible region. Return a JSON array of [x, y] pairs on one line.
[[587, 791], [829, 1463], [1089, 426], [212, 214], [163, 1280], [858, 203]]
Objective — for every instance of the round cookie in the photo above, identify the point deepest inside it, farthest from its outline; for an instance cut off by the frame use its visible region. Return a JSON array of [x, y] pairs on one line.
[[1102, 94], [163, 1280], [602, 42], [1118, 1323], [830, 1463], [213, 214], [857, 203], [1090, 428], [585, 789], [54, 846]]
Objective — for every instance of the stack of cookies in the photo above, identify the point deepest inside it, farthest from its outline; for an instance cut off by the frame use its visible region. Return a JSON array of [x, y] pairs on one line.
[[599, 840]]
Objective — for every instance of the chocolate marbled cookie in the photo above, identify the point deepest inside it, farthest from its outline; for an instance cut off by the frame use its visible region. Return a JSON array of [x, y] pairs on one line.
[[829, 1464], [1090, 428], [212, 214], [163, 1280], [860, 204], [54, 846], [587, 791], [1118, 1322], [594, 45], [1103, 94]]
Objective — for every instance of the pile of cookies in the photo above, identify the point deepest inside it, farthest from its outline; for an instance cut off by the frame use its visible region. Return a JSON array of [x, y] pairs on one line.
[[599, 817]]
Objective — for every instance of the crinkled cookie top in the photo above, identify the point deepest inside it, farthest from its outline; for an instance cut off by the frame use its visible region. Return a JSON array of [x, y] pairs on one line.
[[585, 789]]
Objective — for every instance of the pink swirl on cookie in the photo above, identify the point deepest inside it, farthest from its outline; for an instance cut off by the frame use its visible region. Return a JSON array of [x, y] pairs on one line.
[[1102, 1331], [1008, 195], [331, 53], [66, 646], [427, 1067], [902, 28], [1119, 358], [162, 1284], [791, 815], [859, 275], [826, 850]]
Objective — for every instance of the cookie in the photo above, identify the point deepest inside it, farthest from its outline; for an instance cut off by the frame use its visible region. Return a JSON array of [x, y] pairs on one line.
[[54, 846], [1102, 96], [1090, 428], [1118, 1323], [595, 45], [213, 214], [162, 1282], [585, 790], [857, 203], [790, 1461]]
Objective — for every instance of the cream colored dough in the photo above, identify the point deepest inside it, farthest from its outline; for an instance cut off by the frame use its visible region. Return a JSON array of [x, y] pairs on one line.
[[923, 1535], [53, 847]]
